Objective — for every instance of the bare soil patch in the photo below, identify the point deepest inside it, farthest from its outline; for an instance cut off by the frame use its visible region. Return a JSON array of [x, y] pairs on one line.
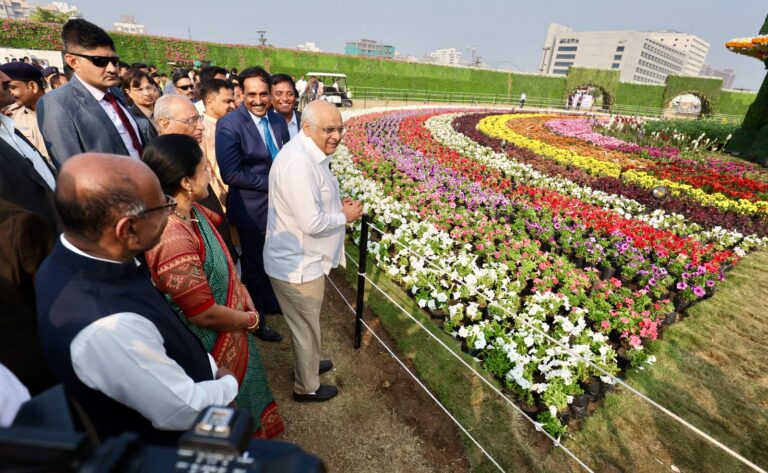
[[381, 420]]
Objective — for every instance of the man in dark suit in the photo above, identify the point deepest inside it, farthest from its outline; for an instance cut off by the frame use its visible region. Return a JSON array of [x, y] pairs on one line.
[[284, 96], [26, 178], [28, 220], [89, 113], [247, 141]]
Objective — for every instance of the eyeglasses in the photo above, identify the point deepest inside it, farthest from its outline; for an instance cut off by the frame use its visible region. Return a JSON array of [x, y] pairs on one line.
[[186, 87], [169, 207], [328, 131], [100, 61], [189, 121]]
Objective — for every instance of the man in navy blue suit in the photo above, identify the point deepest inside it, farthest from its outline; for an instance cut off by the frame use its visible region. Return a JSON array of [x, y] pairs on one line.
[[247, 141]]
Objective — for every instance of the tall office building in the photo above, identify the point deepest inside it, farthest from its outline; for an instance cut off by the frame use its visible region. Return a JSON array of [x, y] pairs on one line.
[[640, 56], [127, 24], [448, 56], [728, 75], [22, 9], [370, 48]]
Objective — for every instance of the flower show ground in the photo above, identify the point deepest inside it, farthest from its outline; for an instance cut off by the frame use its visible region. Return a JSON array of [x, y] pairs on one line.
[[711, 370]]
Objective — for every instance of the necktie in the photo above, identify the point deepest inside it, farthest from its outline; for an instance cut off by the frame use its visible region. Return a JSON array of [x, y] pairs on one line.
[[124, 119], [268, 137]]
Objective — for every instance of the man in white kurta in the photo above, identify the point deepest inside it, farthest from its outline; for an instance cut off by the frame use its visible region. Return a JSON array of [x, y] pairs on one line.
[[305, 238]]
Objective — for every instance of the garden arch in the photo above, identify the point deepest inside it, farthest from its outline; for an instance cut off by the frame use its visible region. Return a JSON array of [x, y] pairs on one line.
[[606, 96], [672, 105], [606, 80]]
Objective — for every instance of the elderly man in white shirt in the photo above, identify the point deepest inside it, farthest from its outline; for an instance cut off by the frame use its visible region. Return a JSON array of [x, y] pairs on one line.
[[305, 238]]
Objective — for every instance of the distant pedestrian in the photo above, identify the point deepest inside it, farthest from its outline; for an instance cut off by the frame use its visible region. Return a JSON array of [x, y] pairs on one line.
[[578, 102], [522, 99]]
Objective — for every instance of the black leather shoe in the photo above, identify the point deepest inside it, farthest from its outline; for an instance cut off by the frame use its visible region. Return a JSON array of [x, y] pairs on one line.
[[268, 334], [325, 366], [323, 393]]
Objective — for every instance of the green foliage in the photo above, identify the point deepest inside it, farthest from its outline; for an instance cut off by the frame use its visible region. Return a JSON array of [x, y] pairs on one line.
[[752, 139], [606, 79], [537, 86], [640, 95], [48, 16], [716, 129], [735, 103], [764, 29], [708, 89], [382, 73]]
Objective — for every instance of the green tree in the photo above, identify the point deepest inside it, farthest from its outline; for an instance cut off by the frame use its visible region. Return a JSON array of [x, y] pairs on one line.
[[48, 16]]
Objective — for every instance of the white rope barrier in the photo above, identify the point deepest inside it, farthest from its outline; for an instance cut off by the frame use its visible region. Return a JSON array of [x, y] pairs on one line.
[[641, 395], [418, 381]]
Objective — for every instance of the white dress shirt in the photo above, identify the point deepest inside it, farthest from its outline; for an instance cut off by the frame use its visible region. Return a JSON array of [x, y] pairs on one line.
[[12, 395], [293, 126], [305, 224], [9, 136], [115, 119], [257, 122], [123, 356]]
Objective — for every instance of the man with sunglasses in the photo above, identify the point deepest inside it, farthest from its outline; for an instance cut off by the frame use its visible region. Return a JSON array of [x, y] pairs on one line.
[[183, 85], [89, 114], [109, 335]]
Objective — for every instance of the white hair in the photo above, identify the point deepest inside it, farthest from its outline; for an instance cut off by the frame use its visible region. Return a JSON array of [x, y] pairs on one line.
[[310, 111], [165, 105]]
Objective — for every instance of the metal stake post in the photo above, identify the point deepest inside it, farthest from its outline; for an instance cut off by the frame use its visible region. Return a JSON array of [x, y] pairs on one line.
[[362, 256]]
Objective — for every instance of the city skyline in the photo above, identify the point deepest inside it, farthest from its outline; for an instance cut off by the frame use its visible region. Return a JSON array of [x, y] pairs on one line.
[[507, 36]]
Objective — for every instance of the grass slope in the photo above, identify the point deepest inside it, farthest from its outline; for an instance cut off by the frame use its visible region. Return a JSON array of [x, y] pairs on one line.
[[712, 370]]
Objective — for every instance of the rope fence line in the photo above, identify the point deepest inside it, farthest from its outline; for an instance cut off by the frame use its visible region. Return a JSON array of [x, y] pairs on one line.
[[485, 380], [418, 381], [633, 390]]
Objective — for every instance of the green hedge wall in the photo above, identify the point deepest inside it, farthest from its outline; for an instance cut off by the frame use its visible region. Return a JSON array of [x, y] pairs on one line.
[[735, 103], [706, 88], [537, 86], [606, 79], [364, 72], [640, 95]]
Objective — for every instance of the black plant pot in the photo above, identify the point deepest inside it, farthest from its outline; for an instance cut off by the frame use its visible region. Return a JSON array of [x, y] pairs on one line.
[[531, 410], [606, 272], [605, 388], [680, 303], [669, 319], [592, 389], [579, 406]]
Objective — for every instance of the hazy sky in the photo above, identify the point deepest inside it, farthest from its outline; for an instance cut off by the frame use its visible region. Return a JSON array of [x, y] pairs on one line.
[[508, 34]]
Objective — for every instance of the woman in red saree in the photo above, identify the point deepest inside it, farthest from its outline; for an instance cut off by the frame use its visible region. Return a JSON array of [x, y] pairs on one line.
[[192, 266]]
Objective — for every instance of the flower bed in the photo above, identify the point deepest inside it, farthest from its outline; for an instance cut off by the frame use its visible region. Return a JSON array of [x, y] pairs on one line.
[[620, 167], [521, 273], [523, 162]]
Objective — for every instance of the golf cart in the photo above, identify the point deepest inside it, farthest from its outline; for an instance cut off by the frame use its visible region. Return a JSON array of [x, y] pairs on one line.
[[335, 88]]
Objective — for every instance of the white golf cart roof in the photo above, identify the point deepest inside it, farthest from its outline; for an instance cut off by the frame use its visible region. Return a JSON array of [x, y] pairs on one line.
[[325, 74]]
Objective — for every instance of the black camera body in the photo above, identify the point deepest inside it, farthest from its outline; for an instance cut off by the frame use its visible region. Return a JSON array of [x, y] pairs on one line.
[[43, 438]]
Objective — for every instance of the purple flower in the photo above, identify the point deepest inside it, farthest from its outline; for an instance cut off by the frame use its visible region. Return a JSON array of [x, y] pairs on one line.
[[681, 286], [710, 283], [699, 291], [652, 282]]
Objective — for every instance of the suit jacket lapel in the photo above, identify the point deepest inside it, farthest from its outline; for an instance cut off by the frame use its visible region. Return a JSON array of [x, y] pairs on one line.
[[21, 162], [54, 170], [92, 105]]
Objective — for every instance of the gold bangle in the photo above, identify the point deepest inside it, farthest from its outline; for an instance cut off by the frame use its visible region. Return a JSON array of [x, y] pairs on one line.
[[254, 320]]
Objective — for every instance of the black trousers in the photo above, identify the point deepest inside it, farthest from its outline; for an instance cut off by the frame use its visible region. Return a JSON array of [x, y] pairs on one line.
[[254, 277]]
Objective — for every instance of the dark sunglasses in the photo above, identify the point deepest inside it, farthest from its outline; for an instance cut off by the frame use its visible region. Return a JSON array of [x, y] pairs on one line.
[[186, 87], [100, 61]]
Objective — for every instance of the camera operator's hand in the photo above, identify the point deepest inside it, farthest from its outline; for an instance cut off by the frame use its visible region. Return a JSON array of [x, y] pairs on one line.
[[352, 209]]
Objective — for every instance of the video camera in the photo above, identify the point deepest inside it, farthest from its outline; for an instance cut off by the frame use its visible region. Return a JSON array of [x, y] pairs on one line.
[[43, 438]]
